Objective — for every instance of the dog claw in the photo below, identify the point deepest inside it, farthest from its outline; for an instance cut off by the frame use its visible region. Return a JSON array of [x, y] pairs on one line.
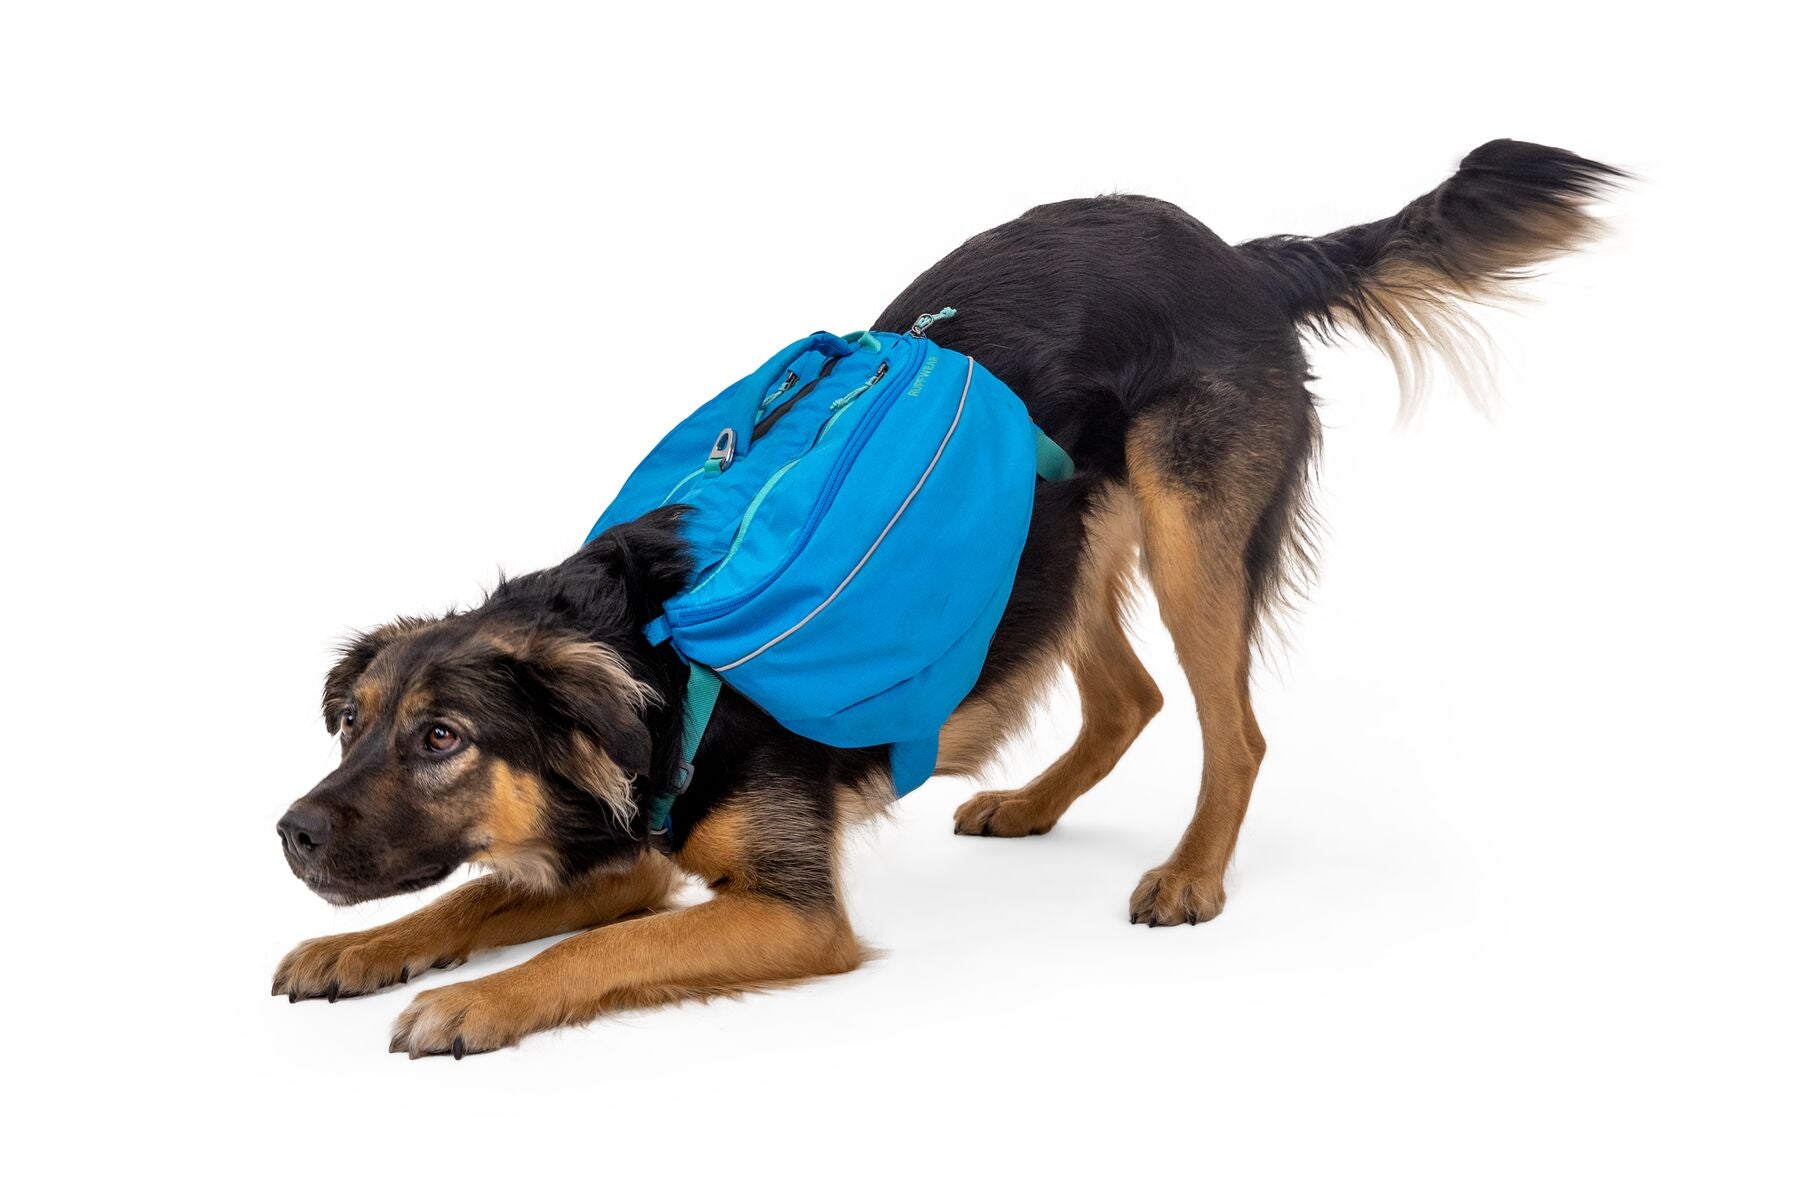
[[457, 1049], [406, 973], [294, 996], [331, 992]]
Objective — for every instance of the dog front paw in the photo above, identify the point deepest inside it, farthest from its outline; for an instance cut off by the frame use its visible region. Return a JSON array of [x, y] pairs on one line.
[[350, 964], [1002, 814], [466, 1018], [1171, 896]]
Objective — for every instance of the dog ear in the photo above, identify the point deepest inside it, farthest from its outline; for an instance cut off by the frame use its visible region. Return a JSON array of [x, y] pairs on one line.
[[593, 708], [354, 656], [649, 556]]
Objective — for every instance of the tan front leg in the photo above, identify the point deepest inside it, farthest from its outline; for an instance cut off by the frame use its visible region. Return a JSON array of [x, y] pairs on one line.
[[735, 942], [481, 915]]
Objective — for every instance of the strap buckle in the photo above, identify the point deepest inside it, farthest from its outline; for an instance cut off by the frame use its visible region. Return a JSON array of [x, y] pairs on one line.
[[696, 713], [724, 450]]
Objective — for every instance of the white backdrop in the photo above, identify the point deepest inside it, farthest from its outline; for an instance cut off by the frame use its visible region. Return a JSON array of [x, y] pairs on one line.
[[310, 314]]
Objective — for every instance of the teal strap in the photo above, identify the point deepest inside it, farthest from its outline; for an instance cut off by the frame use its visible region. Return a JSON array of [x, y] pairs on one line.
[[696, 712], [927, 320], [1053, 462]]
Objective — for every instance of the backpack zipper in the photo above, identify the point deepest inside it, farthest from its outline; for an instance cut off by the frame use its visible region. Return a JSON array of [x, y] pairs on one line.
[[827, 494], [854, 392], [843, 402], [838, 408], [793, 377], [764, 424], [955, 421]]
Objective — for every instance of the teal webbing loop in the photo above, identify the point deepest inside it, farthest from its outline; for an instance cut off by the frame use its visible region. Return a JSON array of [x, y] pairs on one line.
[[1053, 462], [927, 320], [696, 712]]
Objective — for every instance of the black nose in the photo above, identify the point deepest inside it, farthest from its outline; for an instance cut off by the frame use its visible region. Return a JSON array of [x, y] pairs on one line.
[[305, 830]]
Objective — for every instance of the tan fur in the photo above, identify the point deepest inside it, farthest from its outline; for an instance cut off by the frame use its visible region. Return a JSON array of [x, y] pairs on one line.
[[596, 771], [739, 941], [513, 837], [1414, 313], [1118, 696], [715, 847], [601, 777], [983, 724], [579, 656], [368, 694], [740, 840], [859, 804], [415, 705], [483, 914], [1193, 553]]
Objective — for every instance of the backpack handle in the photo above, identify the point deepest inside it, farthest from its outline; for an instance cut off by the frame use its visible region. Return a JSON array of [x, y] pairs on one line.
[[743, 423]]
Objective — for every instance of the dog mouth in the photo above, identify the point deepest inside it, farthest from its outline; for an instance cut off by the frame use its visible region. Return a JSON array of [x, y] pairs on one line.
[[343, 892]]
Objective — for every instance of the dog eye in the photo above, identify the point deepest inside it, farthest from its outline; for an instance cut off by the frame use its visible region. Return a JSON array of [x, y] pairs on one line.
[[347, 721], [442, 739]]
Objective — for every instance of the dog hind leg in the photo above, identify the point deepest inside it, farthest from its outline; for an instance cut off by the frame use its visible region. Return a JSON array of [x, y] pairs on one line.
[[1118, 696], [1205, 490]]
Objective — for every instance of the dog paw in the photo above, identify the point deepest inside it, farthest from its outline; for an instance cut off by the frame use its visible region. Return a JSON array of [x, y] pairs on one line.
[[1001, 814], [1170, 896], [464, 1018], [349, 964]]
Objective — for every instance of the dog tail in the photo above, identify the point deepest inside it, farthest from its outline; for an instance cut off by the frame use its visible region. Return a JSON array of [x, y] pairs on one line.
[[1402, 282]]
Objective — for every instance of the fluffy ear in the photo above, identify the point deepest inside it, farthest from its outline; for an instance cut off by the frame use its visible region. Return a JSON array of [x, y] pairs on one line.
[[649, 556], [593, 707], [354, 657]]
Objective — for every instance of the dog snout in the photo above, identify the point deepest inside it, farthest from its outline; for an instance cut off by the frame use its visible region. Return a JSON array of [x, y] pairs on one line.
[[304, 830]]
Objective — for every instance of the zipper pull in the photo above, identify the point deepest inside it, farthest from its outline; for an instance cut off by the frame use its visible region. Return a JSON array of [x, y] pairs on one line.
[[854, 392], [925, 320], [793, 377]]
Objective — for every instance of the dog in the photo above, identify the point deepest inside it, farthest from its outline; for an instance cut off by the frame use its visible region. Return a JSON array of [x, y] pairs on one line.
[[527, 733]]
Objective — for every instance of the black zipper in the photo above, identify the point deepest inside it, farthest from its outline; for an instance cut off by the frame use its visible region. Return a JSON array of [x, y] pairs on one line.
[[790, 381], [763, 426]]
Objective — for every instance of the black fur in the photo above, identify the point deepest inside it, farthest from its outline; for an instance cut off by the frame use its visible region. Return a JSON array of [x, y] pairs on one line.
[[1481, 226], [1096, 312]]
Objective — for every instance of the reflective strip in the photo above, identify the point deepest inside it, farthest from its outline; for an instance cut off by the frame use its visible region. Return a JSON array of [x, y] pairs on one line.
[[825, 603]]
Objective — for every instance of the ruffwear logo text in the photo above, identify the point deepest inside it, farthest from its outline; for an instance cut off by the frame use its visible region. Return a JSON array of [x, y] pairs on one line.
[[918, 383]]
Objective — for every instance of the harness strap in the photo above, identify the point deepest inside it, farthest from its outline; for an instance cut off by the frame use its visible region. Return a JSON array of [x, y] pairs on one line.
[[1053, 462], [696, 713]]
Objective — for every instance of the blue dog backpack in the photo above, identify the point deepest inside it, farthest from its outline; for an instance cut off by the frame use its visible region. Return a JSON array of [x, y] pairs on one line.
[[857, 509]]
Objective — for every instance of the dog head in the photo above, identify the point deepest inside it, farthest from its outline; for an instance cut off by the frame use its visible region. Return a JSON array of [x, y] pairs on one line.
[[512, 734]]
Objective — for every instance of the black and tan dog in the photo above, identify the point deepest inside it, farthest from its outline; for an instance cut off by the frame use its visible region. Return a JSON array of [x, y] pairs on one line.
[[526, 732]]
